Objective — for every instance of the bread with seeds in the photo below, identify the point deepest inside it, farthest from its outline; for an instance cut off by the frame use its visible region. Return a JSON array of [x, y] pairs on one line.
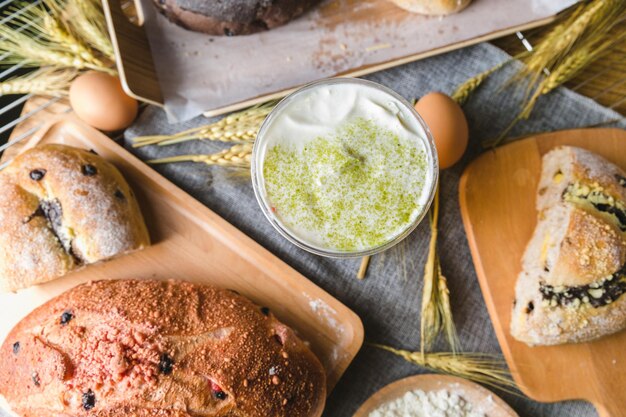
[[61, 208], [152, 348], [578, 175], [571, 288]]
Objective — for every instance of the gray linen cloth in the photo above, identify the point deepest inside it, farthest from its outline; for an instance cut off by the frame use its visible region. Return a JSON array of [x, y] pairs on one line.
[[388, 300]]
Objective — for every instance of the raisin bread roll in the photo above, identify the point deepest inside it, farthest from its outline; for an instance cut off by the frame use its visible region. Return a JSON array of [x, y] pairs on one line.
[[232, 17], [572, 285], [152, 348], [63, 207]]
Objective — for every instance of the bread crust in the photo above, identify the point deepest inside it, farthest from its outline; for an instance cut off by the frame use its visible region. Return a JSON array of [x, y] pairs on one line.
[[63, 207], [153, 348], [577, 165], [29, 252], [591, 249]]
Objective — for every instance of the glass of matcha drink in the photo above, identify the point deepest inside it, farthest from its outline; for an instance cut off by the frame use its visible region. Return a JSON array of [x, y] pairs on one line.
[[344, 167]]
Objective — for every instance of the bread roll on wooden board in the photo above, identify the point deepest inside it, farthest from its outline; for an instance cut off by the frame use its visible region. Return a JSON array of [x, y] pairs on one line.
[[63, 208], [193, 243], [498, 206]]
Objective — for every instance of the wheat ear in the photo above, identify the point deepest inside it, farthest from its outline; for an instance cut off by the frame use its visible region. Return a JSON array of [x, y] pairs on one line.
[[462, 93], [87, 20], [239, 127], [575, 62], [238, 156], [43, 40], [59, 33], [558, 43], [44, 81], [485, 369], [436, 314]]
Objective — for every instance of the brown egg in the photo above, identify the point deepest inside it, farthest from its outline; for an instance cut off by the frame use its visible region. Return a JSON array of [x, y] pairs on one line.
[[99, 100], [448, 125]]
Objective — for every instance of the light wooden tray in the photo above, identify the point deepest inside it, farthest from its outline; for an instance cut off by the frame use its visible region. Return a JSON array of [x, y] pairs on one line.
[[497, 197], [484, 400], [192, 243], [337, 38]]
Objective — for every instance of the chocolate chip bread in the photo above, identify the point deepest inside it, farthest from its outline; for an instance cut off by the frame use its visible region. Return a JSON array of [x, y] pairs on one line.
[[61, 208], [152, 348], [232, 17], [572, 285]]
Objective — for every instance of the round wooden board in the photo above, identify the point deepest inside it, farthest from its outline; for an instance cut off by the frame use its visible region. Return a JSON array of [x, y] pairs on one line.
[[483, 399]]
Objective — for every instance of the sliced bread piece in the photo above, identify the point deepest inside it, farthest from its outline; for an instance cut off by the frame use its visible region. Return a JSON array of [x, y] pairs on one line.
[[573, 246], [573, 279], [579, 176]]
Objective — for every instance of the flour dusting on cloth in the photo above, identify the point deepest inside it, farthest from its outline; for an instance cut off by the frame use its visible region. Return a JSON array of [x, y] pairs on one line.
[[428, 404]]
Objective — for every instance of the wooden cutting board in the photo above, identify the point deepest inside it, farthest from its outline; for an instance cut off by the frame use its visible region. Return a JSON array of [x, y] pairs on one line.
[[192, 243], [481, 398], [497, 197]]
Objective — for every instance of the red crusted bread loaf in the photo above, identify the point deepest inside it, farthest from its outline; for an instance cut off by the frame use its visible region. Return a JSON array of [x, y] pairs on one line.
[[152, 348]]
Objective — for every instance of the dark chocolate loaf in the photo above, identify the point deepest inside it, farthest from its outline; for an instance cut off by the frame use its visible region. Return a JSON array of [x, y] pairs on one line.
[[232, 17]]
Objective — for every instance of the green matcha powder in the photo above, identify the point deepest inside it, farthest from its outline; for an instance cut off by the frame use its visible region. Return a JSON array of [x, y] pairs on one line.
[[354, 190]]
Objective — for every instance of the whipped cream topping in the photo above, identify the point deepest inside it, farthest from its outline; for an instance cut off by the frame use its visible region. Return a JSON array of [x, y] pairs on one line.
[[344, 167]]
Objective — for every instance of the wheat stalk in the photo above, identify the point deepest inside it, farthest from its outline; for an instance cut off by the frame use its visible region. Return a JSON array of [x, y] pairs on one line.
[[573, 64], [87, 20], [238, 127], [33, 52], [436, 312], [463, 91], [537, 60], [45, 81], [45, 39], [445, 311], [430, 323], [238, 156], [482, 368], [585, 35], [588, 23], [59, 34], [585, 21], [559, 42]]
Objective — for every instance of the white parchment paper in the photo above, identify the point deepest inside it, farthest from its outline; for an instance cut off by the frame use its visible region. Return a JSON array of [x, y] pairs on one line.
[[198, 72]]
